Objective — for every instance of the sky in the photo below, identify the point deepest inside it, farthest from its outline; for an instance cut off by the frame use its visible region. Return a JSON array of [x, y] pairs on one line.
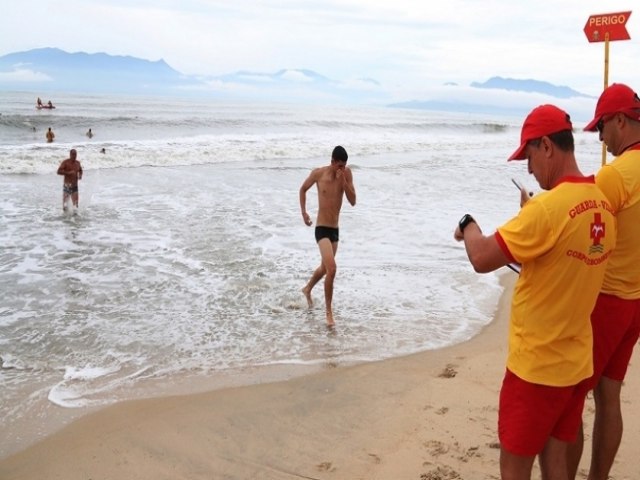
[[410, 47]]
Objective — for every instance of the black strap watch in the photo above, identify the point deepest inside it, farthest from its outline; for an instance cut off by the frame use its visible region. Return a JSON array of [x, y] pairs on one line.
[[464, 221]]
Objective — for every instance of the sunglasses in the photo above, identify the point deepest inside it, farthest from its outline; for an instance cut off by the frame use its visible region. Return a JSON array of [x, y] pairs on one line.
[[602, 121]]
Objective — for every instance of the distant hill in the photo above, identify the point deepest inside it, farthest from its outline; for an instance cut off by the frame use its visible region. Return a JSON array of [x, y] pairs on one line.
[[530, 86], [495, 83], [55, 69], [52, 69]]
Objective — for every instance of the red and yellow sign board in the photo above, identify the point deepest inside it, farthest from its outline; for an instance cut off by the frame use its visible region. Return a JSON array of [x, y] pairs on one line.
[[613, 24]]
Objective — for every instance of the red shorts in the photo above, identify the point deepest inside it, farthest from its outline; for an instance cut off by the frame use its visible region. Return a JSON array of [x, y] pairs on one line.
[[616, 328], [530, 413]]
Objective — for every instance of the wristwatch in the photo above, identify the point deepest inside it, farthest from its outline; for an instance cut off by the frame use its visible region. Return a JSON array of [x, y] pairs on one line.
[[464, 221]]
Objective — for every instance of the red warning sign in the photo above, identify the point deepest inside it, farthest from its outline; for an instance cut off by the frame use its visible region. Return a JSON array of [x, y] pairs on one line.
[[598, 26]]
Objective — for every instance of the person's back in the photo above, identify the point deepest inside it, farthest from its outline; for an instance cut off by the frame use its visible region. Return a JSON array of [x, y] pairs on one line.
[[620, 180], [616, 317], [50, 135]]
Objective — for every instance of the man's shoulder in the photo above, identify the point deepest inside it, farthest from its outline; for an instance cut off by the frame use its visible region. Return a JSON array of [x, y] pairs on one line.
[[319, 171]]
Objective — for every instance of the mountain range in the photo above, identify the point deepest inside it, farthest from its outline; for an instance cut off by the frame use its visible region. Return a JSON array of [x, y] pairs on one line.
[[52, 69]]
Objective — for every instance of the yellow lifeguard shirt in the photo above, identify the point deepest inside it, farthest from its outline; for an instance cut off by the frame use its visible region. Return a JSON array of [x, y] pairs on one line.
[[562, 238], [620, 182]]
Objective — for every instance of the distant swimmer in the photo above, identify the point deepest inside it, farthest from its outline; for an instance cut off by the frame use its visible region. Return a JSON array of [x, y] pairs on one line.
[[102, 150], [39, 102], [49, 104], [89, 133], [50, 135], [72, 171], [333, 182]]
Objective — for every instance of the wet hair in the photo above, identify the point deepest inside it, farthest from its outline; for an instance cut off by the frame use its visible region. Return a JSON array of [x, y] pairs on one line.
[[339, 154]]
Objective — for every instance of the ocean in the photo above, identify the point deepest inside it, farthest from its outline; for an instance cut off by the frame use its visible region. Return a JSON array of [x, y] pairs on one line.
[[182, 268]]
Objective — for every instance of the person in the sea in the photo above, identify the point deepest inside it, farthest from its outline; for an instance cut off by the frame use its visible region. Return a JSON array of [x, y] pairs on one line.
[[50, 135], [72, 171], [562, 238], [616, 317], [39, 102], [49, 104], [89, 133], [333, 182]]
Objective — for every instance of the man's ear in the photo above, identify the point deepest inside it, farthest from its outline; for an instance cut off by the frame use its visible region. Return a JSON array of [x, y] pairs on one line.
[[547, 145]]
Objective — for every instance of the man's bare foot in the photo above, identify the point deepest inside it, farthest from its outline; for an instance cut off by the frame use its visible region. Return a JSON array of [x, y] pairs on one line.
[[307, 295], [330, 322]]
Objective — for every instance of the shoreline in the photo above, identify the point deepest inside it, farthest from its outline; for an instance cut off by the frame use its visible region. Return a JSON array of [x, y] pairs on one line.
[[428, 415]]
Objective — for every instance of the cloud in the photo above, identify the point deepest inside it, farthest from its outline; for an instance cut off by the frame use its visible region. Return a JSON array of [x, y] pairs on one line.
[[406, 45], [296, 76], [24, 75]]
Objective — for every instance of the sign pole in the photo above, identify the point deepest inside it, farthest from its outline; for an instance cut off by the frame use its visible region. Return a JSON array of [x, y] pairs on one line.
[[607, 27], [606, 84]]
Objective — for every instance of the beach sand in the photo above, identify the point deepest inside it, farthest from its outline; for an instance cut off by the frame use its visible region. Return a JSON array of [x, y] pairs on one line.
[[427, 416]]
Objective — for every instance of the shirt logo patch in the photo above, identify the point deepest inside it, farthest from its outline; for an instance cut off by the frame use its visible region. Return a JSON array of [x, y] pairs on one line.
[[597, 232]]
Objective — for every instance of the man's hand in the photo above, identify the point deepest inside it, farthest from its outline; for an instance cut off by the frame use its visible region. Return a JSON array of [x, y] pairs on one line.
[[524, 196], [307, 219]]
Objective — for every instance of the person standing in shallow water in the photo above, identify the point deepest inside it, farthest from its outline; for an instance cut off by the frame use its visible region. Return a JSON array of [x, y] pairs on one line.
[[50, 135], [333, 183], [72, 171]]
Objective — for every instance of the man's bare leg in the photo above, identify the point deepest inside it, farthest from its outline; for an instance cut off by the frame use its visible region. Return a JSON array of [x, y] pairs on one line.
[[328, 294], [553, 460], [515, 467], [315, 278], [328, 251], [65, 197], [607, 427], [574, 454]]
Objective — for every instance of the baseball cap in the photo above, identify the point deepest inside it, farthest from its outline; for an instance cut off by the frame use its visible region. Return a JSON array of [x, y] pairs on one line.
[[543, 120], [616, 98]]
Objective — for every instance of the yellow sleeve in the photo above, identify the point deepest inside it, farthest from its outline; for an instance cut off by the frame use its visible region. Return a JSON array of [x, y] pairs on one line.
[[611, 183]]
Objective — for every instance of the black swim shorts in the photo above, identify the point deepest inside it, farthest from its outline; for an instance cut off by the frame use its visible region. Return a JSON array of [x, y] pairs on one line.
[[327, 232], [69, 189]]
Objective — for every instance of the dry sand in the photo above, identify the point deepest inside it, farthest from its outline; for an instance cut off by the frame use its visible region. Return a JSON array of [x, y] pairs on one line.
[[429, 416]]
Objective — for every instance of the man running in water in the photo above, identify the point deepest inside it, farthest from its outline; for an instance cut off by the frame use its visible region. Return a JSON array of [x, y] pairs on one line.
[[333, 182]]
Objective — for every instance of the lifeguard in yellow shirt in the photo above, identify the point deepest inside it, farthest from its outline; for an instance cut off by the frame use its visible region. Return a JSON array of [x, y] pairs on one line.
[[562, 238]]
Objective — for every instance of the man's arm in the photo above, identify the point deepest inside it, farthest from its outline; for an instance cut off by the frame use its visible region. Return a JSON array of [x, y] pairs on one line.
[[349, 188], [484, 252], [79, 171], [306, 185], [62, 169]]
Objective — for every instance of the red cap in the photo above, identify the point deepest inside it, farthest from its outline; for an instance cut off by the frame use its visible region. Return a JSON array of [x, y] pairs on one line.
[[617, 98], [543, 120]]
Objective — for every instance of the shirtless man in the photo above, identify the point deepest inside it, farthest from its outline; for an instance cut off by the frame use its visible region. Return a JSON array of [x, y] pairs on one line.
[[72, 171], [50, 135], [332, 182]]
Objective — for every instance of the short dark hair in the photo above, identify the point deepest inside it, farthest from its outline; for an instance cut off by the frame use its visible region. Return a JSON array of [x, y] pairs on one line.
[[563, 140], [340, 154]]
